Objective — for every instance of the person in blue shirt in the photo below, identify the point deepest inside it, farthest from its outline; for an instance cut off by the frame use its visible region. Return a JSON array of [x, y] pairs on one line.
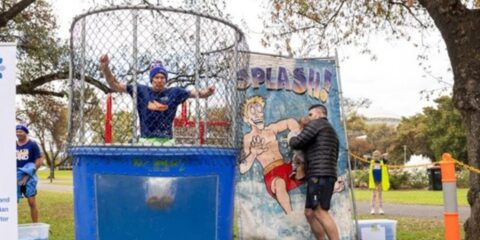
[[156, 104], [29, 159]]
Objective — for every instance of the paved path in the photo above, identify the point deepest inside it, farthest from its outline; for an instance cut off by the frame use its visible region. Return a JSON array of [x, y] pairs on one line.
[[416, 211], [46, 185]]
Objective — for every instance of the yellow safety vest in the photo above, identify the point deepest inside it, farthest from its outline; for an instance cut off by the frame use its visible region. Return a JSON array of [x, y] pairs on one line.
[[385, 177]]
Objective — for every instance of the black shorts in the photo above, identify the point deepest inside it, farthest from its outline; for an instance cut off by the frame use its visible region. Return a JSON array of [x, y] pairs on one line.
[[319, 192], [28, 194]]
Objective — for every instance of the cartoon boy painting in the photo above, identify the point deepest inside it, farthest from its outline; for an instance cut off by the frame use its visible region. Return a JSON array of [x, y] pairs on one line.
[[261, 144]]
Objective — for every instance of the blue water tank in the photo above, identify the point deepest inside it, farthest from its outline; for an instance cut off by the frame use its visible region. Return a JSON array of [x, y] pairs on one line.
[[153, 193]]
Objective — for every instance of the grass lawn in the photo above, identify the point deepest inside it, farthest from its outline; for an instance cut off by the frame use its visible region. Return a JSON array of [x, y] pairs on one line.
[[418, 229], [422, 197], [55, 209], [61, 177]]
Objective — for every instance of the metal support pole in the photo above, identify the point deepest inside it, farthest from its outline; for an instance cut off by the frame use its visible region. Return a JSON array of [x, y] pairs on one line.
[[134, 73], [344, 120], [70, 95], [449, 184], [197, 79], [205, 106], [82, 82], [232, 87]]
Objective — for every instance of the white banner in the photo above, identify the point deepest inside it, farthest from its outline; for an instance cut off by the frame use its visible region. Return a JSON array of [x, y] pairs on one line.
[[8, 177]]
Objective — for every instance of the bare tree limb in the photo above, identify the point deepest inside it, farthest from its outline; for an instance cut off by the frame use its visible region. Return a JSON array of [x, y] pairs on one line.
[[296, 30], [30, 87], [13, 12], [43, 92], [404, 5]]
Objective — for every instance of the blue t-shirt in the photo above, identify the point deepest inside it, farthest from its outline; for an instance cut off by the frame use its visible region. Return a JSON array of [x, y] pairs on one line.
[[154, 123], [29, 152]]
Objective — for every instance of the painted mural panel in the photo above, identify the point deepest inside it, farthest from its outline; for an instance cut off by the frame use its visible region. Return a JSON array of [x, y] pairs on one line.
[[270, 191]]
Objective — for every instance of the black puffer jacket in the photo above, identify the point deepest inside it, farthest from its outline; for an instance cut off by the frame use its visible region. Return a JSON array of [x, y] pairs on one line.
[[320, 144]]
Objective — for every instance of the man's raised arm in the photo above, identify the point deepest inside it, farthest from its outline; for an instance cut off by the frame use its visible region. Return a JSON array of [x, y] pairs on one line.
[[111, 80]]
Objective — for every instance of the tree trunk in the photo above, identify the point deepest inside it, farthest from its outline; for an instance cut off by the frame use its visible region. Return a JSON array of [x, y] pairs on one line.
[[460, 29], [472, 225], [52, 170]]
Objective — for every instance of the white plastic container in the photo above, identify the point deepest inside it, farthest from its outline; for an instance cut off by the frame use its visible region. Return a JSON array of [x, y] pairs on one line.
[[33, 231], [378, 229]]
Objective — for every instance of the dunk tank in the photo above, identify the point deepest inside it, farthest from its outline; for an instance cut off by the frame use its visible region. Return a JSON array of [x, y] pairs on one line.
[[128, 188]]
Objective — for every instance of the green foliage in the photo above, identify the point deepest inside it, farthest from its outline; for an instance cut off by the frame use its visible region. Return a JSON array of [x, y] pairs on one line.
[[436, 130], [445, 130], [463, 179], [380, 136], [47, 118], [417, 180], [411, 132], [407, 180], [360, 178], [399, 179], [122, 127], [39, 50]]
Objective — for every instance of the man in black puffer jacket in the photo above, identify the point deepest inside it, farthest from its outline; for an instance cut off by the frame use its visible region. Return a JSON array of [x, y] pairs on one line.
[[320, 144]]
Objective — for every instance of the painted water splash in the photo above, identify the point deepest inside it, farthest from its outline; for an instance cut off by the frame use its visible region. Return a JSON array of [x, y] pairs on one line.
[[262, 216]]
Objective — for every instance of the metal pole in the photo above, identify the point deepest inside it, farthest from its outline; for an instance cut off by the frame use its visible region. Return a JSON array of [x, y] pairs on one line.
[[340, 93], [197, 79], [82, 83], [232, 87], [404, 154], [134, 72], [70, 96], [205, 108]]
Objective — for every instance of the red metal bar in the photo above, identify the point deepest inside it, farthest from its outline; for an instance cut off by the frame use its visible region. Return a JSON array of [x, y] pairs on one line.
[[108, 120], [202, 133], [183, 121]]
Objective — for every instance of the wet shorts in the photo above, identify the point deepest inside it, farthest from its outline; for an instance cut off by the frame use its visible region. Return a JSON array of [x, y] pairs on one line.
[[319, 192], [28, 191]]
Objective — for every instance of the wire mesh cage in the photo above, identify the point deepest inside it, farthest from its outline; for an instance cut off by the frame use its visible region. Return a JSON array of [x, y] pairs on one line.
[[196, 101]]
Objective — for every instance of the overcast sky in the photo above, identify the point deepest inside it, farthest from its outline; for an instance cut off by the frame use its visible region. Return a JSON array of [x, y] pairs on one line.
[[392, 82]]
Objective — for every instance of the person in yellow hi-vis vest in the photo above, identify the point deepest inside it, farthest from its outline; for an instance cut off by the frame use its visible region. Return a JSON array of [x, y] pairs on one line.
[[378, 180]]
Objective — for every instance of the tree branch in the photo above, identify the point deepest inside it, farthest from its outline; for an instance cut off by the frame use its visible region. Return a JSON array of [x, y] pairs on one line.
[[336, 13], [402, 4], [30, 87], [296, 30], [43, 92], [13, 12], [324, 25]]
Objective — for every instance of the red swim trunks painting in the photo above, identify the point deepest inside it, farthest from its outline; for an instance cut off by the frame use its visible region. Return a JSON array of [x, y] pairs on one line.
[[261, 144]]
